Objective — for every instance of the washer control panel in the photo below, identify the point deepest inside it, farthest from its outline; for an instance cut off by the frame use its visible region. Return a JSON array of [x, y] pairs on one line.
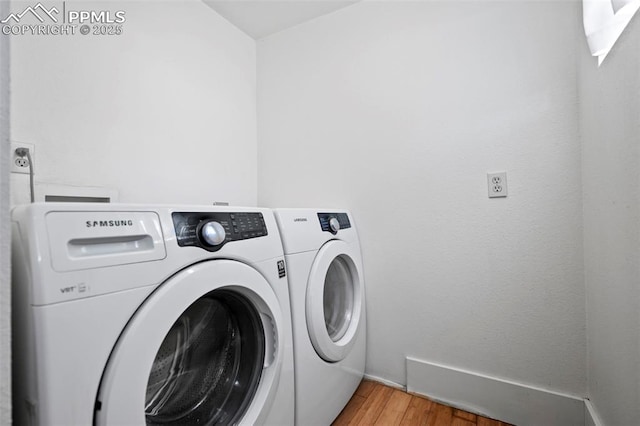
[[333, 222], [211, 231]]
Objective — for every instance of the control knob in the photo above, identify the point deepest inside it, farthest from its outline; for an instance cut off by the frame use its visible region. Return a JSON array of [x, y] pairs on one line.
[[334, 225], [212, 233]]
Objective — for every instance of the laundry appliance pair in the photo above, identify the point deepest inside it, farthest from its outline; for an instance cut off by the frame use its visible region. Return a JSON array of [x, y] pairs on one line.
[[129, 314]]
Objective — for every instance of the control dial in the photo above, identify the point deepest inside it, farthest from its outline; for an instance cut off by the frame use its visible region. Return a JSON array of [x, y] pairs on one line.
[[212, 233], [334, 225]]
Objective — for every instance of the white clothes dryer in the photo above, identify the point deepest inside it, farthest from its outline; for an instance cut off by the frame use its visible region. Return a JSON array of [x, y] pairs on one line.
[[134, 315], [327, 292]]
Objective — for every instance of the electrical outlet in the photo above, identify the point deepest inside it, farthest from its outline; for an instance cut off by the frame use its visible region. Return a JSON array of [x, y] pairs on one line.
[[497, 184], [21, 164]]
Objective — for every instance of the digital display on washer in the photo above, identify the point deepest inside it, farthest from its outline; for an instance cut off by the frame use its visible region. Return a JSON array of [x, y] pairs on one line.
[[211, 231], [343, 220]]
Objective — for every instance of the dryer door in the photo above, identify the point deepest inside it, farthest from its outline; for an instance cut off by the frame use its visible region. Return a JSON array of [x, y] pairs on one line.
[[335, 294], [203, 349]]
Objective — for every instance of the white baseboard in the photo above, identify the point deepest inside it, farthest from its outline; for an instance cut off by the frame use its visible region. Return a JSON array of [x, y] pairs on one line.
[[591, 417], [495, 398]]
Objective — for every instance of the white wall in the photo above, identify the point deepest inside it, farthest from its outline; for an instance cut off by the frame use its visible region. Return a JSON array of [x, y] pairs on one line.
[[610, 125], [5, 233], [164, 113], [397, 110]]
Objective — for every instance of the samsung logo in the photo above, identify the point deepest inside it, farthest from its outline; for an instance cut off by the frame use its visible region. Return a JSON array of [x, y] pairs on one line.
[[300, 219], [108, 223]]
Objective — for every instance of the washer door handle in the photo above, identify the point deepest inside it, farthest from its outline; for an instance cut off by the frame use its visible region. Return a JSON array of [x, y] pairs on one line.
[[270, 339]]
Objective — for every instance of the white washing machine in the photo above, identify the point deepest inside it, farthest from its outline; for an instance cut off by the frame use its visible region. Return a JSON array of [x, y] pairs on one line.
[[134, 315], [326, 285]]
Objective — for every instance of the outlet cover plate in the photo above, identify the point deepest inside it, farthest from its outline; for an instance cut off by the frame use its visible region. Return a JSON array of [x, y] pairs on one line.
[[15, 168], [497, 184]]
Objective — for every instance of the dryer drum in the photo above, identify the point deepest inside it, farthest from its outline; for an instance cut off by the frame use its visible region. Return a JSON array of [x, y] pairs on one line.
[[208, 367]]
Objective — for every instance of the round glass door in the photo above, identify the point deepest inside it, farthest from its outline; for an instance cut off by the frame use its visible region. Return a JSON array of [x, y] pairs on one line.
[[338, 298], [204, 348], [208, 366], [335, 294]]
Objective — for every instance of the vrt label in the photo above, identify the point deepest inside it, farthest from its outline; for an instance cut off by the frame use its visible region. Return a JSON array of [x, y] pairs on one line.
[[281, 270]]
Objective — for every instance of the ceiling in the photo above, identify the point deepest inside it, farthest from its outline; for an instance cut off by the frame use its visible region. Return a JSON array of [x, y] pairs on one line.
[[260, 18]]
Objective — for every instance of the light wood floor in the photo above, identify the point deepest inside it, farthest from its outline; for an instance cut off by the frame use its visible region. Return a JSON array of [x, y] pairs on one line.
[[377, 404]]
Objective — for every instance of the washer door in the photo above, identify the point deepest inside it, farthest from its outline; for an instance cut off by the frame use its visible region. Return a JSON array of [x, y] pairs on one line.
[[203, 349], [334, 300]]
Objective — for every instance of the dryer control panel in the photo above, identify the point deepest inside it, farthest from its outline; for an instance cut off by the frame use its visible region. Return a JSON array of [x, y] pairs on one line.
[[333, 222], [211, 231]]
